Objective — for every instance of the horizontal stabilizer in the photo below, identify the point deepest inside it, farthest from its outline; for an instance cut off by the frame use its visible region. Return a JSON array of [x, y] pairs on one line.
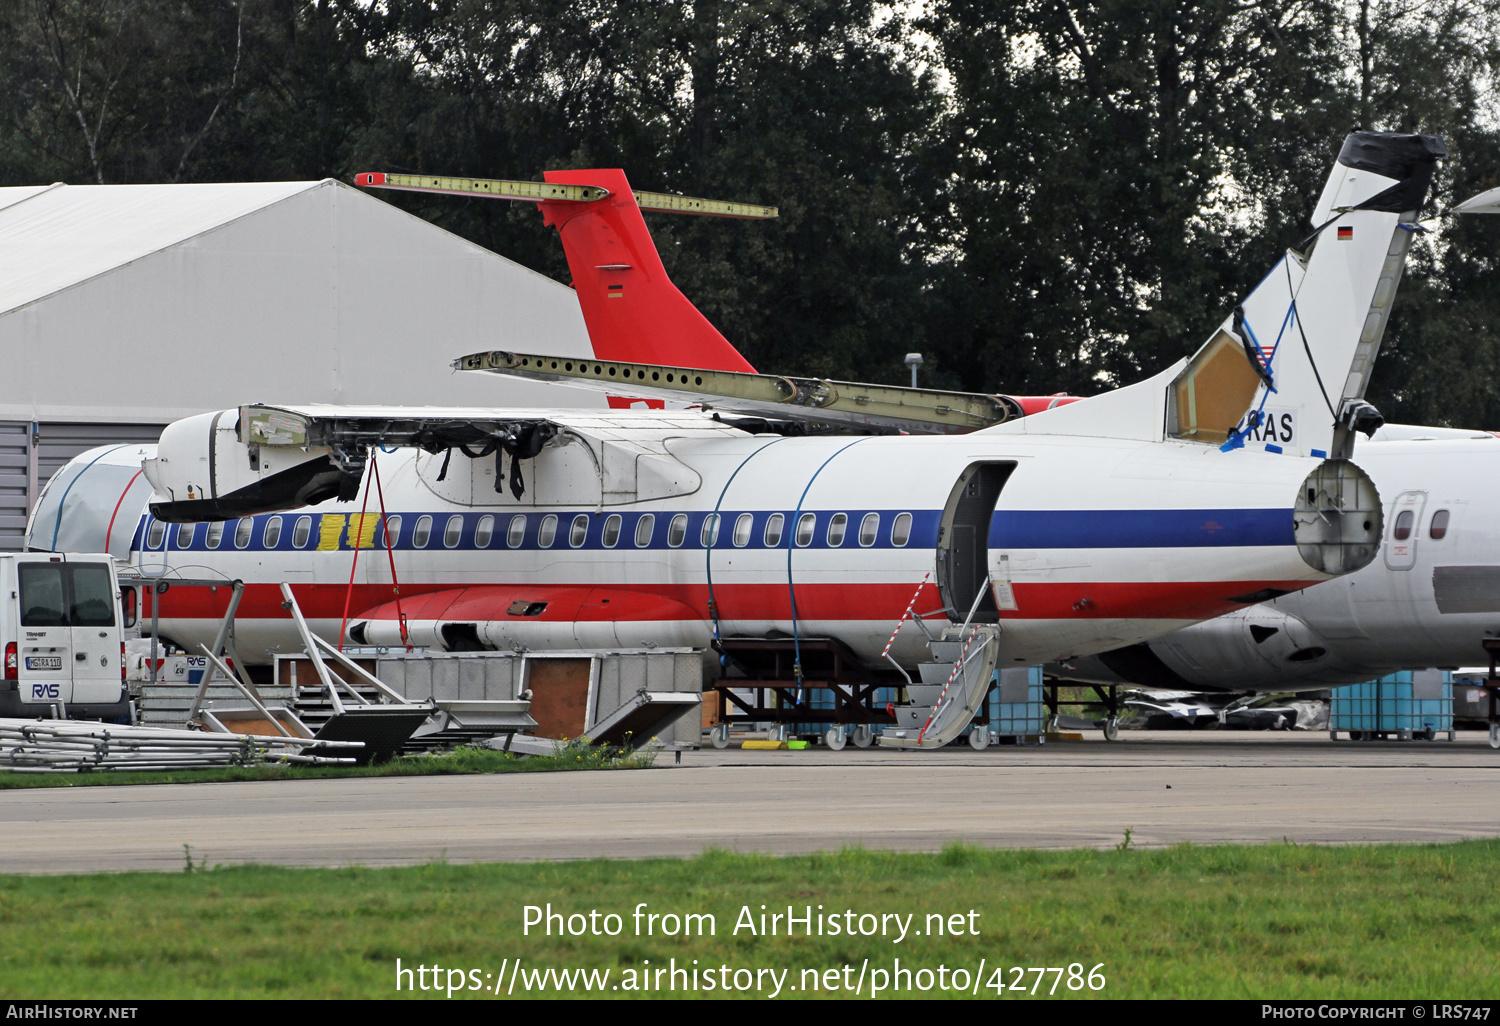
[[1484, 203], [629, 305]]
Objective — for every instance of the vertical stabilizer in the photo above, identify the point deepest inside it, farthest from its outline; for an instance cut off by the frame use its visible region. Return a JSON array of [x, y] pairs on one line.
[[633, 311], [1286, 371]]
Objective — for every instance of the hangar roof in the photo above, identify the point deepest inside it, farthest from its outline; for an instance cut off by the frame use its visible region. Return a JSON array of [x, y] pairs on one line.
[[56, 236]]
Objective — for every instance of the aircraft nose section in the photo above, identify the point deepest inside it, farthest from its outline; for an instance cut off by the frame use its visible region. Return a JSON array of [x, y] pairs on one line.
[[1338, 524]]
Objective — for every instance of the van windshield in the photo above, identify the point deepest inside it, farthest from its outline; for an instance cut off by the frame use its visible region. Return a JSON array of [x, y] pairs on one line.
[[66, 595]]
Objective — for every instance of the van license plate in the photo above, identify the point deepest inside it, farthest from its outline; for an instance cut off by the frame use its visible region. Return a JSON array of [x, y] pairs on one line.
[[44, 662]]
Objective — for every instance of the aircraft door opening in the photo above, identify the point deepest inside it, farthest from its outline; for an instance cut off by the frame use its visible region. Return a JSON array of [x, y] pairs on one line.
[[963, 553]]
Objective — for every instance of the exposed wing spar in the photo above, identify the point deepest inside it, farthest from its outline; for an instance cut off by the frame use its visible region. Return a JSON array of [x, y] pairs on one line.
[[845, 404]]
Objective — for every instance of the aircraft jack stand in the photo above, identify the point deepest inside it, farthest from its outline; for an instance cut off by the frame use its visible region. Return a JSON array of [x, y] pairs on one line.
[[1110, 701], [1491, 687]]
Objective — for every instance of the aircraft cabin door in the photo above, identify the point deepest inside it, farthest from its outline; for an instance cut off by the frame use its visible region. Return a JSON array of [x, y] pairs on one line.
[[963, 553], [1405, 518]]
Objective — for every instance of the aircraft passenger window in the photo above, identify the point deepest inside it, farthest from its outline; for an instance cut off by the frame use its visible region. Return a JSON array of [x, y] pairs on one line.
[[869, 529], [547, 532], [515, 534], [1439, 527], [1403, 525], [742, 526], [484, 532], [644, 528], [677, 530], [272, 533], [156, 534], [242, 532], [806, 524], [774, 524], [185, 535], [901, 530], [392, 532], [710, 533], [836, 528], [215, 534], [579, 532], [612, 524], [454, 532], [301, 531], [421, 532]]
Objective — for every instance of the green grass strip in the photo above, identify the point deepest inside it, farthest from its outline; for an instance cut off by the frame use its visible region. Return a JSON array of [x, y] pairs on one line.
[[1273, 921], [575, 755]]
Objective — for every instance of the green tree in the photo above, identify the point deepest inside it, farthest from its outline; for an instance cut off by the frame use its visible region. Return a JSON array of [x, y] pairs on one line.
[[1127, 168], [810, 105]]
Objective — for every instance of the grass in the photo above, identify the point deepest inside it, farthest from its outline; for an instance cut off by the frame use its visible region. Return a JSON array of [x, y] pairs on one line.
[[1275, 921], [575, 755]]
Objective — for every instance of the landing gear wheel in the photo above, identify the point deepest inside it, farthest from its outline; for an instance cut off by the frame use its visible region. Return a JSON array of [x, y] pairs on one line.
[[979, 738], [1495, 735], [836, 738], [864, 737], [720, 736], [1112, 729]]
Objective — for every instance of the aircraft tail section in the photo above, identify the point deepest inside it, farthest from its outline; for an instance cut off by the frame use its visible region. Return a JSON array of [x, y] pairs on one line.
[[1286, 371], [633, 311]]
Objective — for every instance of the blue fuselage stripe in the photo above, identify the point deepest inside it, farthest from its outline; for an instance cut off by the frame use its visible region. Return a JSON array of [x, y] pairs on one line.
[[1009, 529], [1139, 528]]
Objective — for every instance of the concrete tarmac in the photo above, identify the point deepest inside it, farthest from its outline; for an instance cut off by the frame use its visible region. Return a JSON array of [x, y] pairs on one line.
[[1205, 788]]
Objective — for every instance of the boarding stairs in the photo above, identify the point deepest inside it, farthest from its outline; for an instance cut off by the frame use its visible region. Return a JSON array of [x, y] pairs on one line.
[[955, 683], [952, 691]]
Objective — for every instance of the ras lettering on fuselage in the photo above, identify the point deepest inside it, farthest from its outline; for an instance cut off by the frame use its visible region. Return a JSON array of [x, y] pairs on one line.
[[1278, 426]]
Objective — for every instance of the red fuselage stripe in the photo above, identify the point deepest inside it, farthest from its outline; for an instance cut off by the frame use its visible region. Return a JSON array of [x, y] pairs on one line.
[[882, 602]]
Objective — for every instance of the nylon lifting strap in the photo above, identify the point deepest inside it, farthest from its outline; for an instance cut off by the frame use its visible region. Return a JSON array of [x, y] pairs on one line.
[[359, 532], [391, 555]]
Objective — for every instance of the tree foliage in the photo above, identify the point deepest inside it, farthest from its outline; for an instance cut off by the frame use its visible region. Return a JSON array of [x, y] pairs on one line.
[[1040, 194]]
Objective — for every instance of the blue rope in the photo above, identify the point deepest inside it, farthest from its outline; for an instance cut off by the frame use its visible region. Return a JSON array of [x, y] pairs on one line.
[[61, 503], [791, 588], [708, 550], [1237, 439]]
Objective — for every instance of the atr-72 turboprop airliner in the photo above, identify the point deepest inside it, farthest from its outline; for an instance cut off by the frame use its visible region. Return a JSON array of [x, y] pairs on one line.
[[1138, 511]]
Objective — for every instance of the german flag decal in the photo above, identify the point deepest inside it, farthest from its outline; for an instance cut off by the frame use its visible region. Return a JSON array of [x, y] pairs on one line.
[[616, 291], [1346, 232]]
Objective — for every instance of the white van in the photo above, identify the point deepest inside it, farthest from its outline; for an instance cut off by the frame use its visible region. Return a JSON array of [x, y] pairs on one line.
[[62, 630]]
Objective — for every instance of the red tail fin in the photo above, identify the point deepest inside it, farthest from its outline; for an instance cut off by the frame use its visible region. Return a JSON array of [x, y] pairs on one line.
[[631, 308]]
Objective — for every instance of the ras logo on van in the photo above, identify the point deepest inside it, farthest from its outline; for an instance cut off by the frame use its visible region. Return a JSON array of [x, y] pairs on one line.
[[40, 692]]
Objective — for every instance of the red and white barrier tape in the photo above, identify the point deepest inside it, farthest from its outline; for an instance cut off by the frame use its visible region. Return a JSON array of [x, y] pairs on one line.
[[957, 669], [902, 622]]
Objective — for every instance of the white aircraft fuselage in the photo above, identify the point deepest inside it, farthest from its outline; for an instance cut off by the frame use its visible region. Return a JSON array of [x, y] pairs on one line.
[[1087, 546], [1430, 598]]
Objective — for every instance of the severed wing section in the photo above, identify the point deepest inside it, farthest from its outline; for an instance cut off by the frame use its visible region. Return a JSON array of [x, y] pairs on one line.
[[845, 405]]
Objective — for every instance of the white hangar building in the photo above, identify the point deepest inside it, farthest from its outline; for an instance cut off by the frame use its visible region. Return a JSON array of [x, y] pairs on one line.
[[125, 307]]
